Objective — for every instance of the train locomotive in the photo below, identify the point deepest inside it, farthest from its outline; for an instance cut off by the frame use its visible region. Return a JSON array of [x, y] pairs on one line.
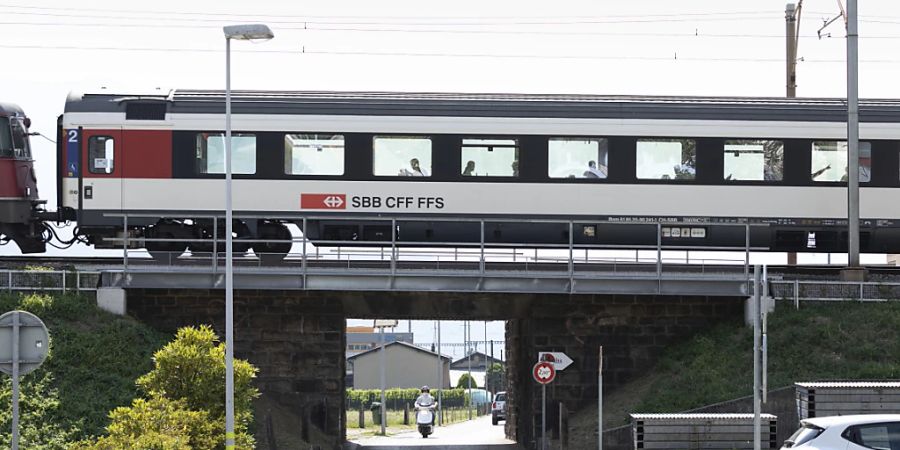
[[433, 169], [21, 210]]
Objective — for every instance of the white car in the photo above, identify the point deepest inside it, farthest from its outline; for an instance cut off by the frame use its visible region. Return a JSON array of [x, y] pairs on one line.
[[498, 408], [860, 432]]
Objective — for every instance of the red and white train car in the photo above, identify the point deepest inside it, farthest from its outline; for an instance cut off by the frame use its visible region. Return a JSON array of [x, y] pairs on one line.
[[700, 165]]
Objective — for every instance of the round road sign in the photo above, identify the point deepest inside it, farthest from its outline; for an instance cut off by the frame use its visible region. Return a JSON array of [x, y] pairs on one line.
[[33, 340], [544, 372]]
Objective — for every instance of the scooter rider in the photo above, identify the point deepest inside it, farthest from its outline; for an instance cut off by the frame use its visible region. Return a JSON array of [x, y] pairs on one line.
[[425, 400]]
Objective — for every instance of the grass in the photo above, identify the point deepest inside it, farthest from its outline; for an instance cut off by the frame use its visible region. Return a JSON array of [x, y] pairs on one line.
[[95, 358], [843, 341], [832, 341]]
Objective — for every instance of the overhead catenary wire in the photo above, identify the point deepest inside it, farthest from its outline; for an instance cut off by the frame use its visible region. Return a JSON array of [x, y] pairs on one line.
[[206, 14], [690, 35], [309, 51]]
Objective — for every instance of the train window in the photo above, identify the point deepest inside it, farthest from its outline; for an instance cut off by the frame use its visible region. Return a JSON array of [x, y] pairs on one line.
[[577, 158], [489, 158], [666, 159], [829, 161], [401, 155], [211, 153], [101, 154], [20, 139], [314, 154], [6, 147], [754, 160]]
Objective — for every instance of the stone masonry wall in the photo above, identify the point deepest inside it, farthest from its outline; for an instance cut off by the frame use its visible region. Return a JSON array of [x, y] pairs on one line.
[[296, 339], [633, 331]]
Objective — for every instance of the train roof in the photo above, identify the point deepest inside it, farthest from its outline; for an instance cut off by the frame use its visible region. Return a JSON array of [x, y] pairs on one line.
[[9, 109], [492, 105]]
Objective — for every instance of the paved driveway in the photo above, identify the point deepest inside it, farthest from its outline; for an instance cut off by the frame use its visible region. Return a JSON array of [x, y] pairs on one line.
[[470, 435]]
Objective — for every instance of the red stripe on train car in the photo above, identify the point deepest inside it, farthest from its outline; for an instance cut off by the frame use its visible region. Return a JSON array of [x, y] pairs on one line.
[[147, 154]]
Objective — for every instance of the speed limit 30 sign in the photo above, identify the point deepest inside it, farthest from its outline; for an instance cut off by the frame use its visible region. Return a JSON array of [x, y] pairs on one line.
[[544, 372]]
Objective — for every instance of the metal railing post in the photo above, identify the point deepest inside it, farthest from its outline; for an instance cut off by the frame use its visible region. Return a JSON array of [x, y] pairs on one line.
[[303, 265], [658, 249], [797, 294], [571, 256], [861, 291], [481, 259], [747, 250], [125, 242], [63, 280], [393, 247], [215, 248]]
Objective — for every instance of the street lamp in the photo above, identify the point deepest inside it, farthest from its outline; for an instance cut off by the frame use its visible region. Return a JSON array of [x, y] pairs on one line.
[[244, 33]]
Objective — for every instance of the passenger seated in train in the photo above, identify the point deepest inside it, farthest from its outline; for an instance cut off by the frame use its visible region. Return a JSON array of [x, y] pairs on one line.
[[469, 170], [594, 172], [416, 171], [515, 168], [685, 171]]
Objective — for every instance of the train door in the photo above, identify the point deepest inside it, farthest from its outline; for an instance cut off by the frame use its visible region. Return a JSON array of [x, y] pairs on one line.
[[101, 174]]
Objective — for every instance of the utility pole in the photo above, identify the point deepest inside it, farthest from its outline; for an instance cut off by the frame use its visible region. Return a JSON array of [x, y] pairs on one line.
[[792, 23], [852, 135]]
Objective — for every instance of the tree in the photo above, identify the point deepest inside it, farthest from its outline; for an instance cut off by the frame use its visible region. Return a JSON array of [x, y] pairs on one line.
[[185, 405], [156, 424], [494, 377], [463, 382]]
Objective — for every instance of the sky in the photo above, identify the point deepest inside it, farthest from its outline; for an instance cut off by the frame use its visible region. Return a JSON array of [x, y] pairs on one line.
[[640, 47]]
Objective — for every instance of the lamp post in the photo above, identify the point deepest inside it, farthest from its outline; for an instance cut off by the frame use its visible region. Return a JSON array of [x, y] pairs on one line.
[[244, 33]]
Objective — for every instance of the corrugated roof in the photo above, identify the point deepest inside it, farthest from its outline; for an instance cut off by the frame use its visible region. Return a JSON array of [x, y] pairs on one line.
[[701, 416], [850, 384]]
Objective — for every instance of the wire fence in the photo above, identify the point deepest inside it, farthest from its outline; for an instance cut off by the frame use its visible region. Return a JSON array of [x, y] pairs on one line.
[[49, 280], [833, 291]]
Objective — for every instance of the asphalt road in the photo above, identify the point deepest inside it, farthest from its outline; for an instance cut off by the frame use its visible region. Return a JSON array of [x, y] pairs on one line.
[[469, 435]]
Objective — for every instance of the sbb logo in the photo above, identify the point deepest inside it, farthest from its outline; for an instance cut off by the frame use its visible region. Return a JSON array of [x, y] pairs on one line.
[[323, 201]]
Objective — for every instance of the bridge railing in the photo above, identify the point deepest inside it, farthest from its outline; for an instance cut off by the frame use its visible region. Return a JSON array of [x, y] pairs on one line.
[[48, 280], [833, 291], [481, 257]]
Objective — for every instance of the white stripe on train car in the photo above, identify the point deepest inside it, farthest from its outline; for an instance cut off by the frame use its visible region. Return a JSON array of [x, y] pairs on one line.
[[489, 125], [520, 199]]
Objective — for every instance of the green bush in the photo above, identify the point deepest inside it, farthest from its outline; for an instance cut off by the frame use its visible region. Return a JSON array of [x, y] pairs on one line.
[[396, 398], [186, 406], [463, 382], [192, 367], [157, 424]]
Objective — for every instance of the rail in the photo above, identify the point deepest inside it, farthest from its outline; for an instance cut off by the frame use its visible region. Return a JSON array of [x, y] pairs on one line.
[[49, 280]]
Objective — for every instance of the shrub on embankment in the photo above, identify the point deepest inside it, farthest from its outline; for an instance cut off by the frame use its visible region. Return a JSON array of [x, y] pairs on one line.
[[94, 360]]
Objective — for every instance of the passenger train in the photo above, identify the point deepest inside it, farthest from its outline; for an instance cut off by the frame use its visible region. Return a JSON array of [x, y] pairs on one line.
[[372, 166]]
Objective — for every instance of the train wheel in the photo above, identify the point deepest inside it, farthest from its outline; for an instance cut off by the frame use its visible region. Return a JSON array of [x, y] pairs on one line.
[[166, 251], [204, 232], [273, 252]]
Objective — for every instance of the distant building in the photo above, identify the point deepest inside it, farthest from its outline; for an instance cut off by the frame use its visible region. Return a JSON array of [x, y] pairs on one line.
[[406, 366], [360, 339], [480, 362]]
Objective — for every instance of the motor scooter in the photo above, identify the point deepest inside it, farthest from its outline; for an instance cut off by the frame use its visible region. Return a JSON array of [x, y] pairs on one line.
[[425, 420]]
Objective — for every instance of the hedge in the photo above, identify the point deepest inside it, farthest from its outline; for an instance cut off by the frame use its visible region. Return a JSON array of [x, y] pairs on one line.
[[396, 398]]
